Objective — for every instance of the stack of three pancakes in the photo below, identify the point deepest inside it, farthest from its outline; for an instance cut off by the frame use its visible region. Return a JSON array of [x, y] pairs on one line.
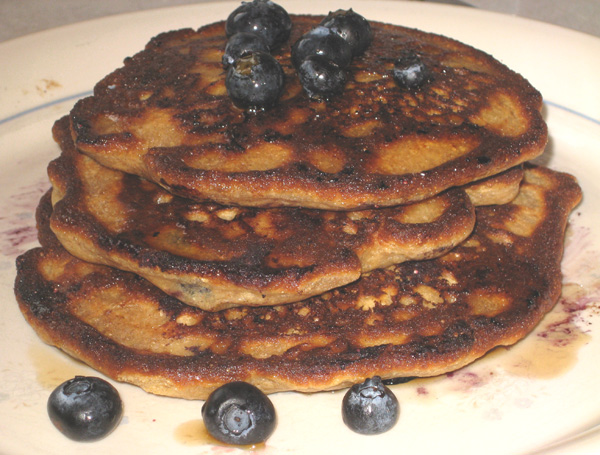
[[187, 243]]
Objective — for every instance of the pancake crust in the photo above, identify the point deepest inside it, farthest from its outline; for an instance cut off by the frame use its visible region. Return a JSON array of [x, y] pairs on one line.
[[216, 257], [165, 115], [415, 319]]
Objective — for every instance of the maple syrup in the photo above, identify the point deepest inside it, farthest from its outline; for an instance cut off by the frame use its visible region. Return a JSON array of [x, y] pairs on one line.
[[194, 433], [53, 369], [551, 350]]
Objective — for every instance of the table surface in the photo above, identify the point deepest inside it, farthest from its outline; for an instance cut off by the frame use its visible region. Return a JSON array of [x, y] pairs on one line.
[[21, 17]]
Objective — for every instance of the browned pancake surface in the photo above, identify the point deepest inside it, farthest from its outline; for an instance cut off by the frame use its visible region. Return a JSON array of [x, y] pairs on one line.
[[416, 319], [165, 115], [216, 257]]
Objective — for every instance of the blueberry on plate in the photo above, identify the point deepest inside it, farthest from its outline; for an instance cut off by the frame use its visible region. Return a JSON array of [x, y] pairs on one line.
[[243, 43], [409, 70], [85, 408], [262, 17], [321, 78], [239, 413], [353, 27], [370, 407], [323, 42], [255, 81]]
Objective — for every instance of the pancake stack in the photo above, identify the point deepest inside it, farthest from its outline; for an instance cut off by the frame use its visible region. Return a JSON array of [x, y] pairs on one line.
[[187, 243]]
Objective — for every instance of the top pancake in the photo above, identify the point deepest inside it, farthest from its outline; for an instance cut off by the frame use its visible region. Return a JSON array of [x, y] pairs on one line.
[[166, 116]]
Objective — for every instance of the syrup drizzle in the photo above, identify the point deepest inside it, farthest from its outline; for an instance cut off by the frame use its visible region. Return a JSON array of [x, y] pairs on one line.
[[194, 433], [54, 368], [552, 349]]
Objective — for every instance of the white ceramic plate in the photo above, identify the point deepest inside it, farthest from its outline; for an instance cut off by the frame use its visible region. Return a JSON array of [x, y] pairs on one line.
[[543, 392]]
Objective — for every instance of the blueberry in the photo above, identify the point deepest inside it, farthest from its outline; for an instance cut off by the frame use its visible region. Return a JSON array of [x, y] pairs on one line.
[[263, 18], [324, 42], [321, 78], [370, 407], [353, 27], [409, 70], [255, 81], [239, 413], [243, 43], [85, 408]]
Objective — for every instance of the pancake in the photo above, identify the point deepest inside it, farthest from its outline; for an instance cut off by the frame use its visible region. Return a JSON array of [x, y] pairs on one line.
[[419, 318], [165, 115], [215, 257], [495, 190]]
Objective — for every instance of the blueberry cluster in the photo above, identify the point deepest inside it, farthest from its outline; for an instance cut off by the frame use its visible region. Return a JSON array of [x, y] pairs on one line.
[[239, 413], [322, 55], [89, 408], [255, 78]]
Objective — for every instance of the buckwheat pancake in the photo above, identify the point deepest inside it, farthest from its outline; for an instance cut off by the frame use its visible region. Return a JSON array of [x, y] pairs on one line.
[[165, 115], [419, 318], [215, 257], [496, 190]]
